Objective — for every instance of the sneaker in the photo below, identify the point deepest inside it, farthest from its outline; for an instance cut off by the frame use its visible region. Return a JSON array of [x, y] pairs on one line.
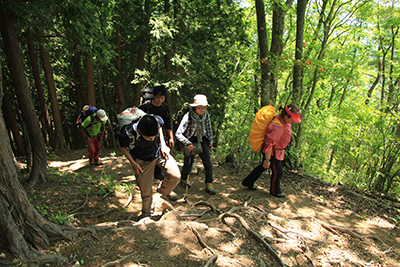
[[252, 188], [184, 183], [210, 189], [173, 196], [280, 195]]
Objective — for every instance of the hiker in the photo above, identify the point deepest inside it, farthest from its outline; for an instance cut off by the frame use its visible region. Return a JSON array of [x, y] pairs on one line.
[[93, 129], [144, 151], [276, 139], [195, 133], [157, 106]]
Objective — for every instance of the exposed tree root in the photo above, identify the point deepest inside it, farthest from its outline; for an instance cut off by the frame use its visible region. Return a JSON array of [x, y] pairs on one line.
[[114, 263], [205, 203], [211, 260], [81, 207], [201, 241], [291, 232], [255, 235]]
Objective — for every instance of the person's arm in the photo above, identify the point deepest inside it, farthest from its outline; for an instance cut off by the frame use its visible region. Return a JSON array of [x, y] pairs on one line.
[[87, 139], [103, 130], [171, 142], [136, 167], [164, 148], [272, 135]]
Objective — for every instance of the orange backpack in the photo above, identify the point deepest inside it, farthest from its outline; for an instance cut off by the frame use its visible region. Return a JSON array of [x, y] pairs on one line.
[[260, 124]]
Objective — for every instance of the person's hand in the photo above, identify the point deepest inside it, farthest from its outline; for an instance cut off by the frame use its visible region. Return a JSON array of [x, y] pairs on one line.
[[266, 164], [210, 148], [171, 142], [136, 168], [190, 147], [88, 141], [165, 151]]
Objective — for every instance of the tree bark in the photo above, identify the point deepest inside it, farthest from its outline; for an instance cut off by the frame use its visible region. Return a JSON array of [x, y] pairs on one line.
[[142, 49], [265, 86], [20, 223], [39, 88], [121, 104], [55, 109], [15, 64], [10, 117], [297, 68], [90, 81], [277, 44]]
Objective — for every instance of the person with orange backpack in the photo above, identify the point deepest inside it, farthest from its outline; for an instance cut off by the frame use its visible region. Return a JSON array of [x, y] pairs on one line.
[[276, 138]]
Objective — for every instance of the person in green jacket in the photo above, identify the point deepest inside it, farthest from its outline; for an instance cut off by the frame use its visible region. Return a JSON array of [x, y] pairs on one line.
[[93, 130]]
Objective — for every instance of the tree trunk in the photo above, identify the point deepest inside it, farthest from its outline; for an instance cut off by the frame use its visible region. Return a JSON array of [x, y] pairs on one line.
[[10, 117], [15, 64], [90, 81], [277, 44], [77, 140], [39, 88], [297, 68], [142, 49], [103, 104], [265, 89], [20, 223], [55, 109], [121, 104]]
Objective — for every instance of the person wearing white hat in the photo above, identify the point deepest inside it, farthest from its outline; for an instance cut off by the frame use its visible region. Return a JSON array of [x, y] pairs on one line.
[[93, 130], [195, 130]]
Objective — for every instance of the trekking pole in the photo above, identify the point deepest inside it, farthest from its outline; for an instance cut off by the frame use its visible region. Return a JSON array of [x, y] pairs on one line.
[[187, 180]]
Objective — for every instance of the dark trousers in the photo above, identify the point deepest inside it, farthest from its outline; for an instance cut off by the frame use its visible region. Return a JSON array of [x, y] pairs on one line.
[[205, 158], [277, 172]]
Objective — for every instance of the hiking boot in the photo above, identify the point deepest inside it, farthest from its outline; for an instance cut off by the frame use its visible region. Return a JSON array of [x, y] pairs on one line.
[[184, 183], [173, 196], [97, 162], [252, 188], [210, 189], [91, 161]]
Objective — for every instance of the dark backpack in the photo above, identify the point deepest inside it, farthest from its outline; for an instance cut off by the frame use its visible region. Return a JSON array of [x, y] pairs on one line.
[[87, 111], [146, 95]]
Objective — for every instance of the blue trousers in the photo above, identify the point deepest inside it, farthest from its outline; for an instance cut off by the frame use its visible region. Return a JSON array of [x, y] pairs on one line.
[[205, 158], [277, 172]]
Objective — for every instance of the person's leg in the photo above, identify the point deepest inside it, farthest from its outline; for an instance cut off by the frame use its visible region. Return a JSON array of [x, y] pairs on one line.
[[158, 173], [206, 159], [97, 147], [172, 175], [145, 183], [187, 160], [277, 172], [91, 151], [253, 176]]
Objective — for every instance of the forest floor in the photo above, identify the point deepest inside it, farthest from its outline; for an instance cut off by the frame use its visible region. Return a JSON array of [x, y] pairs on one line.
[[316, 225]]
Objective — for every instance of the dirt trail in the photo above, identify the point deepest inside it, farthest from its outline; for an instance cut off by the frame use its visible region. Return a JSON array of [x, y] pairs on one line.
[[316, 225]]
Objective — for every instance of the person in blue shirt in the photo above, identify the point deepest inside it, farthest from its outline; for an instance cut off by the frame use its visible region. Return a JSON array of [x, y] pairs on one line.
[[196, 127], [145, 148]]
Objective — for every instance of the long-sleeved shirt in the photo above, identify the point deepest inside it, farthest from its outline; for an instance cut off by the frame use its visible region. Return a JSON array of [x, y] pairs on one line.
[[187, 130], [277, 138]]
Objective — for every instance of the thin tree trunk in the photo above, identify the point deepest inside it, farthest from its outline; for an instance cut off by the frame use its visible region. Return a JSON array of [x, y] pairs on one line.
[[16, 67], [39, 88], [55, 109], [297, 68], [265, 87], [277, 44], [90, 81], [121, 104], [9, 116], [142, 50]]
